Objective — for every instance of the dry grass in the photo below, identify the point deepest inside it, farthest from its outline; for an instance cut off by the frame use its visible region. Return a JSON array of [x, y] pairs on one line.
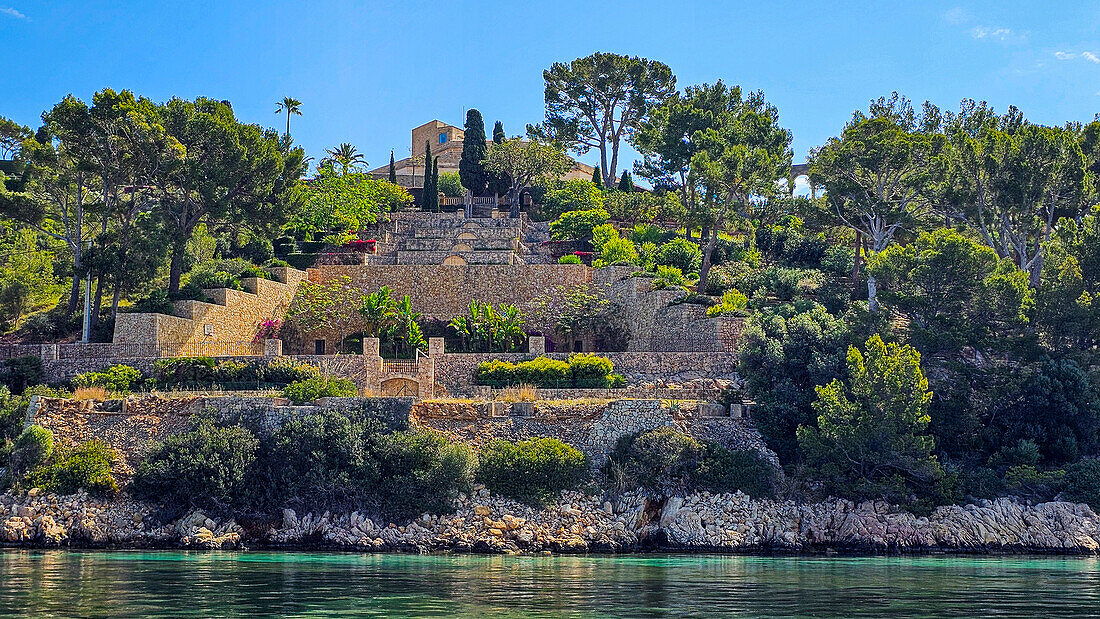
[[97, 394], [519, 393]]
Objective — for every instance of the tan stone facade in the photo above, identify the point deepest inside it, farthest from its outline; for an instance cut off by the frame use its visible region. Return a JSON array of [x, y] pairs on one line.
[[223, 328]]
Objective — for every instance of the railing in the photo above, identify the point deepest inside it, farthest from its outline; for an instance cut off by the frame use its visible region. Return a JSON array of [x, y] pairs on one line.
[[399, 366], [211, 349]]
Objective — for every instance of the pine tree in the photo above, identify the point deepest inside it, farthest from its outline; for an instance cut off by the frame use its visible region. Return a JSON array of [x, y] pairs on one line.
[[499, 183], [625, 182], [426, 202], [471, 169], [393, 170], [597, 178]]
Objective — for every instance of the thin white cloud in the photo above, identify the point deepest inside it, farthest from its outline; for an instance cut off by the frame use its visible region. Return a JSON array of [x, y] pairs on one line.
[[1086, 55], [10, 12], [1000, 34], [956, 16]]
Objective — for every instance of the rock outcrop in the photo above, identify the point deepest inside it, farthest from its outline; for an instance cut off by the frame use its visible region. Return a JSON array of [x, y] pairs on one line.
[[578, 523]]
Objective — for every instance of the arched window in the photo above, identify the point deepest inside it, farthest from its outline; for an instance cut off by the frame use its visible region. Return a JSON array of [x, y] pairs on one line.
[[442, 138]]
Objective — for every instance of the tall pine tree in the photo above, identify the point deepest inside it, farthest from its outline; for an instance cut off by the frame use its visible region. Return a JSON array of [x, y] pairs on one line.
[[393, 170], [471, 169], [499, 183], [597, 178]]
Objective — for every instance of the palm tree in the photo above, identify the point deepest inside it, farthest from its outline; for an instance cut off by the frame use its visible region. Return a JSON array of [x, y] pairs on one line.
[[347, 156], [290, 106]]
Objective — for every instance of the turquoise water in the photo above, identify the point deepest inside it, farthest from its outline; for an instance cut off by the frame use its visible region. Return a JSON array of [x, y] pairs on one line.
[[128, 584]]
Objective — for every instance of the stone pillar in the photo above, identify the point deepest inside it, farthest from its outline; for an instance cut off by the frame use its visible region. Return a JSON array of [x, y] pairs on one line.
[[736, 410], [435, 346], [273, 348], [536, 344], [49, 352], [371, 347]]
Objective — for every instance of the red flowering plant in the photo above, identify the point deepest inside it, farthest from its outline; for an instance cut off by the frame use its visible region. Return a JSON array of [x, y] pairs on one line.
[[267, 330]]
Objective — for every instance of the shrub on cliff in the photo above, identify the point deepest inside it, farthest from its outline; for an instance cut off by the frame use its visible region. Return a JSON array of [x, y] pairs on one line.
[[729, 470], [543, 372], [661, 460], [116, 379], [204, 467], [1082, 483], [31, 450], [420, 470], [680, 253], [308, 390], [86, 466], [577, 224], [286, 371], [534, 471], [495, 373], [19, 373], [582, 370]]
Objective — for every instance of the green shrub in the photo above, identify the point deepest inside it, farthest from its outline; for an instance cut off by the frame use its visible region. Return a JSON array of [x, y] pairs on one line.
[[646, 233], [450, 185], [495, 373], [156, 303], [420, 470], [661, 460], [616, 381], [1029, 482], [308, 390], [18, 373], [204, 467], [727, 470], [733, 304], [185, 371], [116, 379], [590, 371], [1082, 483], [31, 450], [13, 410], [534, 471], [669, 277], [570, 259], [86, 466], [572, 195], [680, 253], [286, 371], [315, 461], [543, 372], [577, 224]]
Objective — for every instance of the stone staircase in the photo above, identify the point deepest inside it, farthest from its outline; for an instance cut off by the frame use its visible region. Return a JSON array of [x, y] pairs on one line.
[[450, 238]]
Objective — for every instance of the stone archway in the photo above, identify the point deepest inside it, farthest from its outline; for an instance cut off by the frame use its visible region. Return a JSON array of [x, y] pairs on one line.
[[462, 247], [467, 236], [454, 261], [400, 387]]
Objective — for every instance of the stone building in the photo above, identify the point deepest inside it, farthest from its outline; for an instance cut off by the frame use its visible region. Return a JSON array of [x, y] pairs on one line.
[[446, 145]]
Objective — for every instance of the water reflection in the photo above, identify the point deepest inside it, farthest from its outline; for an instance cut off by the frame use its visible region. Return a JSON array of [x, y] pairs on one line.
[[57, 583]]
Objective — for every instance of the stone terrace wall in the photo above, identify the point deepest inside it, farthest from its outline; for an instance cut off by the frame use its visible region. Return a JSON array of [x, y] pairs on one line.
[[231, 318], [591, 426], [443, 291], [455, 371]]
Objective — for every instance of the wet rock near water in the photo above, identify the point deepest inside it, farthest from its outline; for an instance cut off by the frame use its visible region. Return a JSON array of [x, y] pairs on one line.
[[482, 522]]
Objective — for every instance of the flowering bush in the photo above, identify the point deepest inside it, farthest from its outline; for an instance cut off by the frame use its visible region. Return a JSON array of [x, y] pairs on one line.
[[267, 330]]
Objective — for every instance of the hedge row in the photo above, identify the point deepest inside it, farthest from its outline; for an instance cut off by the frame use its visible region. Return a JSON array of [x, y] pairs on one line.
[[198, 372], [582, 370]]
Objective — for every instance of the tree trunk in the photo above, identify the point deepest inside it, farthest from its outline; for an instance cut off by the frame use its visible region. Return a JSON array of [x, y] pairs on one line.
[[872, 293], [701, 287], [175, 270], [98, 303], [855, 262], [115, 299]]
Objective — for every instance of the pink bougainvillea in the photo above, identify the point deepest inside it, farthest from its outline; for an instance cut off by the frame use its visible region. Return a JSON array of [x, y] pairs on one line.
[[267, 330]]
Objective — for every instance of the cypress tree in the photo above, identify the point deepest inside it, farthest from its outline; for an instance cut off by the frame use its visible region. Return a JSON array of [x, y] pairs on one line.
[[471, 169], [499, 183], [597, 178], [393, 170], [426, 202], [435, 184], [626, 183]]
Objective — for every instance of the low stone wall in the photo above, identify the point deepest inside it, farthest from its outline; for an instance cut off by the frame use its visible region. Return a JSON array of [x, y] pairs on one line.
[[592, 426], [454, 372]]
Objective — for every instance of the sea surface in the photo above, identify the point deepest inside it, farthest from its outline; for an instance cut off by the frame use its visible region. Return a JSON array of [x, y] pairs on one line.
[[206, 584]]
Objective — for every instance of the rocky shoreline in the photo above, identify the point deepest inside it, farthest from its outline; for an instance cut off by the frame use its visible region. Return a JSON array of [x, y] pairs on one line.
[[630, 523]]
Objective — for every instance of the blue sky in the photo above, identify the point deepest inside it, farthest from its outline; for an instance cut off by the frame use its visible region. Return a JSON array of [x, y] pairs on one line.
[[367, 72]]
